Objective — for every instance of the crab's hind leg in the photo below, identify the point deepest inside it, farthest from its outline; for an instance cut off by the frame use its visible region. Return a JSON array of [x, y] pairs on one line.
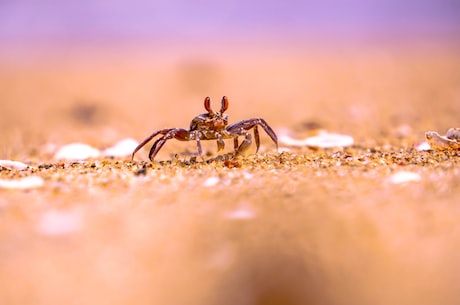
[[161, 131], [153, 150], [269, 131], [175, 133], [257, 138]]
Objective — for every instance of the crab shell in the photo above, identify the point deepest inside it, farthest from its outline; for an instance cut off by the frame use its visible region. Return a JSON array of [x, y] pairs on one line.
[[449, 142]]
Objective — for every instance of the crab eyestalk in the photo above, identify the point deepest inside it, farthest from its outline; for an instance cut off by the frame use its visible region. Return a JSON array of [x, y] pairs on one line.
[[224, 105], [207, 104]]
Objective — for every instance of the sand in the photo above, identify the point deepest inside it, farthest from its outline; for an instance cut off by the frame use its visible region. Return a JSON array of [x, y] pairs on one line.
[[374, 223]]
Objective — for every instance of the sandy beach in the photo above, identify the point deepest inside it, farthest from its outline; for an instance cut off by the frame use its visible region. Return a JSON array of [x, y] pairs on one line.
[[372, 223]]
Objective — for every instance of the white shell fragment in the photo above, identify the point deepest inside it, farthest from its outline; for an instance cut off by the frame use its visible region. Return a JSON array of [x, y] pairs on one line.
[[424, 146], [241, 213], [23, 183], [9, 164], [404, 176], [76, 151], [59, 223], [449, 142], [122, 148], [322, 140], [211, 181]]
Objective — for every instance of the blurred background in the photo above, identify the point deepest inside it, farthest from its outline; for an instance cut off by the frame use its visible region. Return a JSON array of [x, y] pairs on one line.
[[96, 71]]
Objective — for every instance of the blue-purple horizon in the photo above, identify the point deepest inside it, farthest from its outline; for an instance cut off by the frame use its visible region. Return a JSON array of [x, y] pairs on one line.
[[24, 22]]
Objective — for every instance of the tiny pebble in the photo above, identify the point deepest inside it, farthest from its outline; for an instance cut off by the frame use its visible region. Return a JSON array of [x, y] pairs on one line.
[[211, 181], [122, 148], [13, 164], [404, 176], [23, 183], [76, 151], [322, 140], [58, 223]]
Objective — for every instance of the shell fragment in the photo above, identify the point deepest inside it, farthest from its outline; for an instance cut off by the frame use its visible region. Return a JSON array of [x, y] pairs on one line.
[[322, 140]]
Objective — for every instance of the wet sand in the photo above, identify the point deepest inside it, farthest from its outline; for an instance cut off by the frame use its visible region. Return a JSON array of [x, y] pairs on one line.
[[301, 226]]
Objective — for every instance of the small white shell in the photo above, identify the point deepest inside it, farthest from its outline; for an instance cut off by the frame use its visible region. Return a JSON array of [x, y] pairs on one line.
[[322, 140], [76, 151], [211, 181], [13, 164], [23, 183], [122, 148], [424, 146], [404, 176]]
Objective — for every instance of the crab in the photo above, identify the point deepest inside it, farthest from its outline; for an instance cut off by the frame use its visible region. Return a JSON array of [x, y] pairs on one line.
[[212, 125], [449, 142]]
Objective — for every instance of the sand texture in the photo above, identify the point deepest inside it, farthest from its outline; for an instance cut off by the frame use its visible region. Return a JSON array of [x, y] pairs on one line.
[[372, 223]]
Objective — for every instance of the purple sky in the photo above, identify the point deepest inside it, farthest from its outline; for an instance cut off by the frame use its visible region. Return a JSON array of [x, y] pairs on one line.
[[47, 21]]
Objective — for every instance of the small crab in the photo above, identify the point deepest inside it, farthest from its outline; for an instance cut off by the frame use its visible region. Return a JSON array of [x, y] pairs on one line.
[[212, 125], [450, 142]]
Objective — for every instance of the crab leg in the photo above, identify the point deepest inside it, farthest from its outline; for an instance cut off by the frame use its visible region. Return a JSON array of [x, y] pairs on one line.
[[174, 133], [245, 144], [220, 143], [241, 127], [235, 143], [198, 143], [161, 131], [257, 138]]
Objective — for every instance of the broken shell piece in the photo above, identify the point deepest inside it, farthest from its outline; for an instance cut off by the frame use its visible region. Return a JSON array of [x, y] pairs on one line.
[[453, 134], [404, 176], [76, 151], [423, 146], [449, 142], [23, 183], [9, 164], [211, 181], [322, 140], [122, 148], [241, 213]]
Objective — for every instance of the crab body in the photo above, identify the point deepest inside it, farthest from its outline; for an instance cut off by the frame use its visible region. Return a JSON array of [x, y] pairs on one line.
[[212, 125]]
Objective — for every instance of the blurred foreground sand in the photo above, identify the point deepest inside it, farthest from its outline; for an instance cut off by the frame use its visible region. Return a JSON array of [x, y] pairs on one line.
[[310, 233]]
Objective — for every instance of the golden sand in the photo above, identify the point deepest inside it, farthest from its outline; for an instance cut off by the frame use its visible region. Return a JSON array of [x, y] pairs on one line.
[[374, 223]]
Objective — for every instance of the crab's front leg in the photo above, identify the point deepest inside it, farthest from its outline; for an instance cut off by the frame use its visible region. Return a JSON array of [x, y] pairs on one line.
[[220, 142], [245, 144], [242, 129]]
